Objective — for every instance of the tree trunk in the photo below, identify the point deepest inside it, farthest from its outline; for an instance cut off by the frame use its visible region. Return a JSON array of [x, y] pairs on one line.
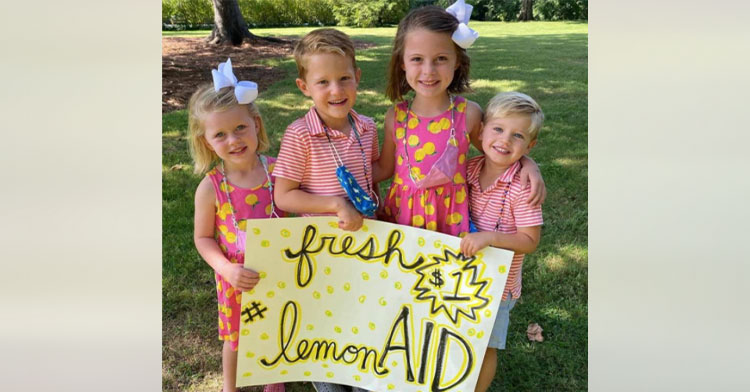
[[230, 27], [527, 10]]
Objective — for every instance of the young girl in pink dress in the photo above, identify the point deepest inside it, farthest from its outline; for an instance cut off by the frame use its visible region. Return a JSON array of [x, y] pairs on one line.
[[427, 138], [225, 126]]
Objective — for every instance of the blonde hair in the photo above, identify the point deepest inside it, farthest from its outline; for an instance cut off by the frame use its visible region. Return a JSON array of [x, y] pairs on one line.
[[324, 40], [437, 20], [513, 102], [206, 100]]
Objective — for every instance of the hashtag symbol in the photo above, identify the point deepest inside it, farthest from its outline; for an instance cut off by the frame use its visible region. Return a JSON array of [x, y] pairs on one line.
[[253, 311], [438, 281]]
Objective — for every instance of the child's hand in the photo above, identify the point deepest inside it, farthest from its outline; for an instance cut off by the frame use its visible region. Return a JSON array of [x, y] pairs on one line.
[[530, 174], [474, 242], [349, 218], [240, 278]]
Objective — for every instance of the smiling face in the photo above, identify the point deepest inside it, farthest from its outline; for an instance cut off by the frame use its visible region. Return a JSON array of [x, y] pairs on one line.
[[506, 139], [429, 61], [232, 134], [331, 81]]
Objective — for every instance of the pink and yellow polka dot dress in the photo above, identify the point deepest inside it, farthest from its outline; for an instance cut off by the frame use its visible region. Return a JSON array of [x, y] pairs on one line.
[[443, 208], [248, 204]]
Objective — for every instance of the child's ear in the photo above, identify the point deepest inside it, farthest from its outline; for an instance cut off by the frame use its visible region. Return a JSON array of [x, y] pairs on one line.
[[481, 130], [358, 74], [531, 145], [258, 121], [302, 86], [205, 143]]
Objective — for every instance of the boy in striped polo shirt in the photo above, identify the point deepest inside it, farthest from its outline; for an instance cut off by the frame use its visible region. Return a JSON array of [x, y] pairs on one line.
[[498, 205], [305, 171]]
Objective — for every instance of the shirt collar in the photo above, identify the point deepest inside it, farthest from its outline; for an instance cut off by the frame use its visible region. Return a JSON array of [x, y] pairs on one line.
[[506, 177], [316, 127]]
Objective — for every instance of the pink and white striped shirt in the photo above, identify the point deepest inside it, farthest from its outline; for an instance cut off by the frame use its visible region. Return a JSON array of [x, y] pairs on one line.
[[305, 154], [506, 195]]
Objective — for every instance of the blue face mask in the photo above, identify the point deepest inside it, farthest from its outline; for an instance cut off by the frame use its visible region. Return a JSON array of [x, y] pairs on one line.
[[357, 195]]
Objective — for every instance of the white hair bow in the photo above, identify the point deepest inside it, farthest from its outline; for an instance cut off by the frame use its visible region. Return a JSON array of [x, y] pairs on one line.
[[245, 91], [464, 36]]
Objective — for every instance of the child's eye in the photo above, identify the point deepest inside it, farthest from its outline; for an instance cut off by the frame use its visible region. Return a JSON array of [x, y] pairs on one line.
[[518, 135], [241, 128], [498, 130], [442, 58], [323, 82], [346, 77], [416, 59]]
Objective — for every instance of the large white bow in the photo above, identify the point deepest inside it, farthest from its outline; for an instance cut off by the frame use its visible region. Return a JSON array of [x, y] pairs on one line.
[[464, 35], [245, 91]]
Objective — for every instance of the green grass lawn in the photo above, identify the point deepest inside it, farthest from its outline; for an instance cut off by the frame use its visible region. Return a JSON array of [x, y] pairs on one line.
[[548, 61]]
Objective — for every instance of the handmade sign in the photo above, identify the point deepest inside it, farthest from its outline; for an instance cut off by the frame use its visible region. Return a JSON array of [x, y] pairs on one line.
[[388, 307]]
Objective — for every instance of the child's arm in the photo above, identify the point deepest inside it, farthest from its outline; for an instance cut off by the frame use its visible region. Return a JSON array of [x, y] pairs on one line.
[[203, 236], [525, 240], [383, 168], [290, 198], [474, 123], [531, 174]]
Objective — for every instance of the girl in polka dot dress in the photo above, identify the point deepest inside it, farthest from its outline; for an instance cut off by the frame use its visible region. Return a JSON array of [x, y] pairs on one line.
[[427, 138], [225, 126]]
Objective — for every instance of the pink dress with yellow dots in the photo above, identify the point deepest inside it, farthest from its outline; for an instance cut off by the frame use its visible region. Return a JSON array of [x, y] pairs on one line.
[[443, 208], [247, 204]]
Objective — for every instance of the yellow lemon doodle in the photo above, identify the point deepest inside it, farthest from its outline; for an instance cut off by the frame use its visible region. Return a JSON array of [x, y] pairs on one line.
[[429, 148], [268, 209], [434, 127], [440, 190], [461, 158], [384, 274], [242, 225], [422, 199], [327, 270], [246, 374], [429, 209], [252, 291], [420, 241], [357, 377], [447, 201], [231, 237], [413, 140], [256, 231], [281, 285], [391, 386], [329, 374], [437, 243], [400, 160], [365, 228], [460, 196], [397, 179], [285, 233], [471, 331], [227, 188], [397, 285], [487, 313], [229, 292], [461, 107], [307, 373], [265, 243], [362, 299], [382, 301], [457, 217], [480, 334], [251, 199], [249, 354], [325, 365], [310, 327], [431, 225], [262, 274], [316, 295], [355, 330], [284, 372], [337, 329], [371, 325], [365, 276], [410, 202], [270, 294], [245, 332], [329, 313], [400, 133], [347, 286], [419, 155], [501, 269], [458, 178], [329, 289], [333, 224]]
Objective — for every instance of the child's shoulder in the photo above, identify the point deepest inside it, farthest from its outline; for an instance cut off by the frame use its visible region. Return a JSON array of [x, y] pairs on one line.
[[205, 190]]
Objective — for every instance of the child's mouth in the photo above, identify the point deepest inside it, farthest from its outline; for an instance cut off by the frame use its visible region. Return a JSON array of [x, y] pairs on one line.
[[501, 150], [425, 83], [340, 102], [239, 151]]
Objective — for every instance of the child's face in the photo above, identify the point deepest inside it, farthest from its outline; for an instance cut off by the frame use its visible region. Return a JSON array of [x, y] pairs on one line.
[[232, 135], [331, 81], [429, 62], [506, 139]]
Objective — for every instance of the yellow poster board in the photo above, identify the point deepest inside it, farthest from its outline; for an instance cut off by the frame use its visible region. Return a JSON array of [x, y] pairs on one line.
[[385, 308]]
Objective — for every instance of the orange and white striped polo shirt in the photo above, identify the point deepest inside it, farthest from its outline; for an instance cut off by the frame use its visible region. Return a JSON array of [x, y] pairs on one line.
[[305, 154], [485, 206]]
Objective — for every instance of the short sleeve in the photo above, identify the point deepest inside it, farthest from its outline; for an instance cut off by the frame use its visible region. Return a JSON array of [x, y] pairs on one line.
[[293, 155], [524, 215], [375, 149]]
